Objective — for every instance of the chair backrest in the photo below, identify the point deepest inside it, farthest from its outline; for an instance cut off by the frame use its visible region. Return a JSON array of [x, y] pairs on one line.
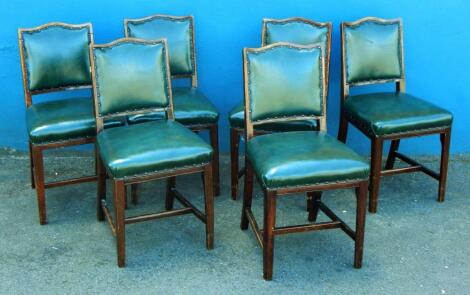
[[54, 57], [179, 33], [284, 82], [131, 76], [372, 53]]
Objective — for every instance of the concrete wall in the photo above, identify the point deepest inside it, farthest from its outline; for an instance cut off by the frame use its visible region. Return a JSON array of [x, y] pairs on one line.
[[437, 39]]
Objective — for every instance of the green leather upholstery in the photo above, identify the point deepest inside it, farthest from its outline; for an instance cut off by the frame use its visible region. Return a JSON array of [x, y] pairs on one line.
[[191, 108], [237, 120], [131, 76], [294, 91], [57, 56], [179, 35], [303, 158], [157, 146], [389, 113], [297, 32], [62, 120], [373, 51]]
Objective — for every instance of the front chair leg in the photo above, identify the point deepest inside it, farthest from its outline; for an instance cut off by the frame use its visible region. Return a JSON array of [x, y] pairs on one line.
[[214, 137], [209, 206], [247, 194], [361, 196], [391, 154], [119, 197], [313, 203], [39, 183], [101, 191], [31, 164], [445, 147], [376, 168], [268, 233], [234, 146]]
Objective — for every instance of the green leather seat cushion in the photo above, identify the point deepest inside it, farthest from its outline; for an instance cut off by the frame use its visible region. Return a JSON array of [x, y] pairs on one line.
[[62, 120], [389, 113], [191, 108], [237, 120], [303, 158], [150, 147]]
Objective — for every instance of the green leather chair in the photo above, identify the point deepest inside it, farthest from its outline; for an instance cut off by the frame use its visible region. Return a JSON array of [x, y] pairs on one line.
[[286, 82], [372, 53], [132, 77], [294, 30], [55, 58], [192, 108]]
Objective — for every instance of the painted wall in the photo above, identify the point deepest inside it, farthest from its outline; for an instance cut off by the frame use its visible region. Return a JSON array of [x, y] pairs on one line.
[[437, 42]]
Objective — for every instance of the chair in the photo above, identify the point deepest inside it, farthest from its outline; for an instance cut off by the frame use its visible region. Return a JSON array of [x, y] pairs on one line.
[[131, 77], [372, 53], [55, 58], [286, 82], [294, 30], [192, 108]]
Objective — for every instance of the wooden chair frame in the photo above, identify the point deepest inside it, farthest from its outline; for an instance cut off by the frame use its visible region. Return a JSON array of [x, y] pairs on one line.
[[265, 237], [211, 128], [377, 141], [119, 221], [36, 150], [237, 133]]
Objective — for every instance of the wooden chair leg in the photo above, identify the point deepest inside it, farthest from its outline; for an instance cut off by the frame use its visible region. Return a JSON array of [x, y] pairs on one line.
[[39, 183], [445, 149], [31, 164], [234, 146], [268, 233], [169, 199], [101, 191], [247, 194], [376, 167], [391, 154], [135, 193], [361, 196], [214, 137], [209, 206], [343, 128], [119, 196], [313, 200]]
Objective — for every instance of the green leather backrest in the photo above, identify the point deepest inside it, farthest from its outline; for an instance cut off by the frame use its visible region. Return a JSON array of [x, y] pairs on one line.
[[56, 56], [178, 31], [131, 76], [373, 51], [294, 31], [284, 81]]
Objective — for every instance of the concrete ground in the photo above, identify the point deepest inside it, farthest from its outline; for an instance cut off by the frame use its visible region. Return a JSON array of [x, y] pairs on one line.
[[413, 245]]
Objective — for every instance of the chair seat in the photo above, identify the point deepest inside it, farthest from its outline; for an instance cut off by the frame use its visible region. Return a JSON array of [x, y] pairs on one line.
[[237, 120], [191, 108], [151, 147], [62, 120], [390, 113], [303, 158]]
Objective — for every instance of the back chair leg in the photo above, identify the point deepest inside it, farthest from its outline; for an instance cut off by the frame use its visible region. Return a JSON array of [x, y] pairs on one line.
[[376, 168], [119, 196], [214, 137], [234, 146], [247, 194], [31, 164], [209, 206], [169, 199], [268, 233], [361, 195], [135, 193], [343, 128], [394, 145], [101, 191], [39, 183], [445, 146], [313, 200]]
